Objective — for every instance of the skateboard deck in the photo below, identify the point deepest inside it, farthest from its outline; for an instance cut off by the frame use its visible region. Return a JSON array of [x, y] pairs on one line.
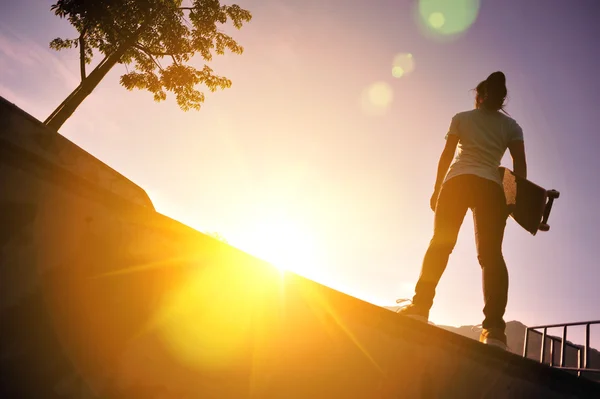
[[529, 204]]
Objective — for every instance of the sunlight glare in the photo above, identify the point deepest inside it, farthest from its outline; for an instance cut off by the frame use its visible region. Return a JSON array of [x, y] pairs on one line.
[[281, 241]]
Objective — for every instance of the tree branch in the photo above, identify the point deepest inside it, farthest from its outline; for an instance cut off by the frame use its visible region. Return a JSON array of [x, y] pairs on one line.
[[187, 22], [145, 51], [154, 53], [82, 55]]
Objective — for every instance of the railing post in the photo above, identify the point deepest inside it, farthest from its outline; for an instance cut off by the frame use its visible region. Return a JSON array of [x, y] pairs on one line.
[[563, 347], [526, 343], [543, 350], [586, 354], [584, 360]]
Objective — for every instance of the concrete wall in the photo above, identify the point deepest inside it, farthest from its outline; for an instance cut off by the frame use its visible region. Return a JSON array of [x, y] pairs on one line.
[[101, 297], [19, 130]]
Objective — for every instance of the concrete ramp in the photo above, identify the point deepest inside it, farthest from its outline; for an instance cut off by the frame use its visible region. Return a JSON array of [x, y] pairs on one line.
[[102, 297]]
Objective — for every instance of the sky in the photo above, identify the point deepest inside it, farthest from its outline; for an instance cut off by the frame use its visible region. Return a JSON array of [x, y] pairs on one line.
[[321, 157]]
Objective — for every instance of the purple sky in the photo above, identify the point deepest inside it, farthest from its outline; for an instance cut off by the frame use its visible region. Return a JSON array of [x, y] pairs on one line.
[[345, 192]]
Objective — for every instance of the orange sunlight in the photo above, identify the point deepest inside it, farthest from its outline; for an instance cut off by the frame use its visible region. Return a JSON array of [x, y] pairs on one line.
[[208, 321]]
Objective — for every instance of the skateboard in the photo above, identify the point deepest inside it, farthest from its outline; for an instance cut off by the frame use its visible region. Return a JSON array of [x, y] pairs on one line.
[[528, 204]]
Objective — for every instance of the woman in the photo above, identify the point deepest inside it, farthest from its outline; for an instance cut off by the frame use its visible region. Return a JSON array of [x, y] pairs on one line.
[[473, 182]]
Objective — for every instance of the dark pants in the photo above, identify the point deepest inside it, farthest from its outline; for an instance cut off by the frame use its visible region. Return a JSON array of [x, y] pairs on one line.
[[486, 199]]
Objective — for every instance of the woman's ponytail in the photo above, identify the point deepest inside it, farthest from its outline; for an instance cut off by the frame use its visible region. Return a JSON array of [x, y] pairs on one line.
[[491, 93]]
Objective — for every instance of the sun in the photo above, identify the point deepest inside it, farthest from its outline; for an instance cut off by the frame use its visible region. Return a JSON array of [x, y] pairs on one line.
[[285, 243]]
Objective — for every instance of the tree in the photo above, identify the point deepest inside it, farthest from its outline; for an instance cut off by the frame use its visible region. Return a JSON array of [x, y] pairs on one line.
[[143, 34]]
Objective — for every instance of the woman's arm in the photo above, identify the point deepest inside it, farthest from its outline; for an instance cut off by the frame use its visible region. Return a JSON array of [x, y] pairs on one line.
[[517, 152], [443, 165]]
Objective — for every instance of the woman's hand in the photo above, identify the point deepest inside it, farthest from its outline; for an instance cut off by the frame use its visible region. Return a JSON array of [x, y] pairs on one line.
[[433, 200]]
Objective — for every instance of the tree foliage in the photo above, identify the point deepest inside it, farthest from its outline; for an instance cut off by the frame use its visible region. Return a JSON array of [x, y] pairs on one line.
[[155, 39]]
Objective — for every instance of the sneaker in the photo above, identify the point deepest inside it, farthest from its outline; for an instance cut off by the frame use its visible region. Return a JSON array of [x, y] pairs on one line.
[[493, 337], [413, 311]]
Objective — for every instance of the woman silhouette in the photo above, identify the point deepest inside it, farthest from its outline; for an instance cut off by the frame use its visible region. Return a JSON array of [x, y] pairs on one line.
[[482, 136]]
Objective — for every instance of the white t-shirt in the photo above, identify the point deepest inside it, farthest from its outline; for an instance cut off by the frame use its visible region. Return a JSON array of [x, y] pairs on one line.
[[483, 137]]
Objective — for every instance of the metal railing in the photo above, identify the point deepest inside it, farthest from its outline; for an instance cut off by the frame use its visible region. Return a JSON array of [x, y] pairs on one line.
[[583, 363]]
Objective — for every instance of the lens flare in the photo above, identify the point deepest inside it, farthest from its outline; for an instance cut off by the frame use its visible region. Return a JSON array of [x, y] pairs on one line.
[[436, 20], [207, 323], [403, 64], [397, 72], [447, 17], [377, 98]]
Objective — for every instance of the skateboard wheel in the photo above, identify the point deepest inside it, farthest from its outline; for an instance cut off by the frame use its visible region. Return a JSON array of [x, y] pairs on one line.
[[544, 227], [553, 194]]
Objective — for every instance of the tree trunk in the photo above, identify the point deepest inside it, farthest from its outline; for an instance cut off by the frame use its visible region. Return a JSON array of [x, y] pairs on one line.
[[67, 107], [82, 55]]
